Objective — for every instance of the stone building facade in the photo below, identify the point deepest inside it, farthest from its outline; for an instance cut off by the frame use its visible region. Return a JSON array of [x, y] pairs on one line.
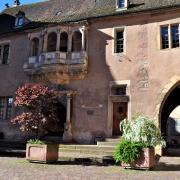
[[114, 58]]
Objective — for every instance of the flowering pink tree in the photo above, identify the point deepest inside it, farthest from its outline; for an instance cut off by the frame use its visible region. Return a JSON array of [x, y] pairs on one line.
[[39, 114]]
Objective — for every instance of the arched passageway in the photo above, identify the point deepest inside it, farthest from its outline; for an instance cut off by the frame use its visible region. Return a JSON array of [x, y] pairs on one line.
[[61, 114], [169, 123]]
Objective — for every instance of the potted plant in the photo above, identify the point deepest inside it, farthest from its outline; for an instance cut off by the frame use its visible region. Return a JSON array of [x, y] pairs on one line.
[[39, 117], [140, 137]]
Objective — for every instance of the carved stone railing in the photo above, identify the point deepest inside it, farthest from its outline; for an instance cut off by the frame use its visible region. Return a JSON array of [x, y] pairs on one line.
[[59, 62]]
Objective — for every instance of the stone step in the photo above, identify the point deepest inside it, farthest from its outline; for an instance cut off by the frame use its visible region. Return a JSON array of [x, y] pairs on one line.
[[87, 151], [113, 139], [87, 147], [109, 141], [104, 143]]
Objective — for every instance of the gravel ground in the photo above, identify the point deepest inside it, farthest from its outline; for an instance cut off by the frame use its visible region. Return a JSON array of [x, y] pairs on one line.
[[12, 168]]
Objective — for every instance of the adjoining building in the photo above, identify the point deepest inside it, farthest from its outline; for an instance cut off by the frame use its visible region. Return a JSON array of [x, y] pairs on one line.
[[114, 58]]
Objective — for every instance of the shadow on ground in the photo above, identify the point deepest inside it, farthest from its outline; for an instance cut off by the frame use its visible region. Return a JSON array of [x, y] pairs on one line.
[[163, 164], [167, 167]]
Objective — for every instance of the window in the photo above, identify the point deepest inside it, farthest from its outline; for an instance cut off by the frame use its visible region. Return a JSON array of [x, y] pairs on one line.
[[64, 42], [35, 47], [175, 35], [4, 53], [119, 41], [20, 21], [119, 90], [77, 42], [165, 37], [170, 36], [121, 3], [52, 41], [6, 108]]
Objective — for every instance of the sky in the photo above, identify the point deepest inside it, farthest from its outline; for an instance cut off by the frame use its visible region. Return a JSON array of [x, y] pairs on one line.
[[10, 2]]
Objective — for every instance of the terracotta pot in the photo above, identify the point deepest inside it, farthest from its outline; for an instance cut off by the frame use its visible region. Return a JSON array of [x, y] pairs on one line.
[[145, 161], [42, 153]]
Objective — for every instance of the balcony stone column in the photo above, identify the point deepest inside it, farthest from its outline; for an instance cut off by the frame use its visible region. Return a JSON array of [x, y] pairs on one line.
[[70, 41], [29, 46], [41, 44], [83, 38], [45, 41], [67, 136], [58, 40]]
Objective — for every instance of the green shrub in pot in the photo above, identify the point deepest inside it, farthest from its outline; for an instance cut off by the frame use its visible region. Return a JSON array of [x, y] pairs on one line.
[[127, 151], [142, 129], [139, 134]]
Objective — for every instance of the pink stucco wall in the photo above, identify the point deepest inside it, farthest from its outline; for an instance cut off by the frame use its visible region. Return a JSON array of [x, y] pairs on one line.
[[147, 67]]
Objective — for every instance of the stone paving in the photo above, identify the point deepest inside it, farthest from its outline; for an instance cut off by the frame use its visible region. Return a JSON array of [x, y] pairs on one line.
[[12, 168]]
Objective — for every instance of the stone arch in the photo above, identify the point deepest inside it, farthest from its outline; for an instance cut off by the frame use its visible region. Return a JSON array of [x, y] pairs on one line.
[[167, 101], [174, 81]]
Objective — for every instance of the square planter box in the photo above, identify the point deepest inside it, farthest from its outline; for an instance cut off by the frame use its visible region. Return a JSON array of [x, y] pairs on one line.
[[46, 153], [145, 161]]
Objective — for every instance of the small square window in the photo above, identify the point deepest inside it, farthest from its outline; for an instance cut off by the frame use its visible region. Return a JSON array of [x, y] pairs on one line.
[[121, 3], [119, 90]]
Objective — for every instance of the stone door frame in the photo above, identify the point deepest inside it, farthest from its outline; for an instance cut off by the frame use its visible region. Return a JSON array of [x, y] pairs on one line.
[[116, 129], [115, 98]]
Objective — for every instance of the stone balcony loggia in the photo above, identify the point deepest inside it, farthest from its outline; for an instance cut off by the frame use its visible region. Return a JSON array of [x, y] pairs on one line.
[[57, 67]]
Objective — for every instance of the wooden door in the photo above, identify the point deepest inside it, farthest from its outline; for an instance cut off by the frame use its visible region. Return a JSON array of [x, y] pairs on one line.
[[119, 113]]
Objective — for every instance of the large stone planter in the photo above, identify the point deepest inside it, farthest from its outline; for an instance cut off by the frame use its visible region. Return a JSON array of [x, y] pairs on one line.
[[145, 161], [46, 153]]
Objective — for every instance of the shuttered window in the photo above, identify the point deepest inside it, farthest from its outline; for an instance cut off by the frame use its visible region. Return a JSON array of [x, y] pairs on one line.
[[6, 108], [4, 53]]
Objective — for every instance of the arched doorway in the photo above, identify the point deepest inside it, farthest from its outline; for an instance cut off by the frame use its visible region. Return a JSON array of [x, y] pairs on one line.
[[169, 122]]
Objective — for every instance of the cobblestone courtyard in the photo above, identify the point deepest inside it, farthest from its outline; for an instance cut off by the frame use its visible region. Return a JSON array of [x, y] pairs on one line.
[[19, 169]]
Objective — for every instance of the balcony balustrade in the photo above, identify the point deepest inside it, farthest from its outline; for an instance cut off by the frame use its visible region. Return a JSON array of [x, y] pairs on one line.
[[59, 61]]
